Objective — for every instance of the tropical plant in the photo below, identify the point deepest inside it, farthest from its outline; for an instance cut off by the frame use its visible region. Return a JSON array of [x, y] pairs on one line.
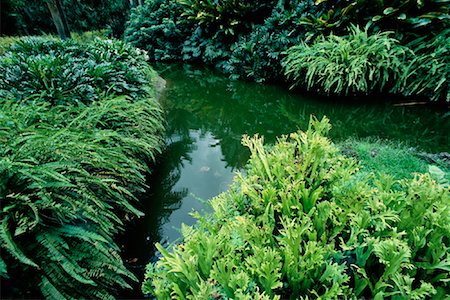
[[360, 63], [70, 170], [157, 26], [257, 55], [231, 17], [61, 72], [304, 223], [401, 16]]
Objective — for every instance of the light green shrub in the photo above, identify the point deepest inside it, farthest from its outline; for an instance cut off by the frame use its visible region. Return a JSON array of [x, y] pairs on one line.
[[303, 223], [360, 63]]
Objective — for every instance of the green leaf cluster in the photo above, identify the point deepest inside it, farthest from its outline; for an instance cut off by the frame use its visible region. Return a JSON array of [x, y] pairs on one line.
[[364, 63], [66, 72], [70, 169], [359, 63], [304, 223], [405, 17], [231, 17], [157, 27]]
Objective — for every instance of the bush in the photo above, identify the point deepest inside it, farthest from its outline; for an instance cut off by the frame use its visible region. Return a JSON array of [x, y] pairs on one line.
[[230, 17], [157, 26], [303, 223], [257, 55], [360, 63], [69, 173], [65, 71]]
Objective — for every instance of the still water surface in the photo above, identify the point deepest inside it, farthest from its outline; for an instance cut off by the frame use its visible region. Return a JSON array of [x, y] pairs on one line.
[[208, 114]]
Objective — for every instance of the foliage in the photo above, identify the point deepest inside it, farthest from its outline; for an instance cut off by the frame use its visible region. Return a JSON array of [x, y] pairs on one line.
[[33, 17], [249, 40], [353, 64], [427, 73], [63, 71], [303, 223], [157, 26], [69, 173], [228, 16], [257, 55], [402, 16]]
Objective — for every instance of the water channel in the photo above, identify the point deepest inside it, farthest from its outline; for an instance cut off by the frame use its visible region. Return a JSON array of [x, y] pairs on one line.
[[207, 114]]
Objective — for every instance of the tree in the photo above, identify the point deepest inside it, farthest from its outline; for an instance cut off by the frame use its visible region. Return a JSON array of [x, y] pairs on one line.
[[59, 18]]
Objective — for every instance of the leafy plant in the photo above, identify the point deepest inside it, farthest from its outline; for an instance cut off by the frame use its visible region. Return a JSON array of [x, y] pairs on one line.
[[401, 16], [427, 73], [304, 223], [360, 63], [228, 16], [157, 26], [69, 173], [64, 71], [257, 55]]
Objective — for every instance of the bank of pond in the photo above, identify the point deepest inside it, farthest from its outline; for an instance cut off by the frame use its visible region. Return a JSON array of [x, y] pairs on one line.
[[99, 180]]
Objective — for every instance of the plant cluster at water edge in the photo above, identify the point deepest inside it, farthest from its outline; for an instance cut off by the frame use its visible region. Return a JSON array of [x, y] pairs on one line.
[[305, 222], [79, 125], [250, 40]]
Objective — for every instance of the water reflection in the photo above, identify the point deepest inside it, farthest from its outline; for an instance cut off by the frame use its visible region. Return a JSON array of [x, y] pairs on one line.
[[208, 114]]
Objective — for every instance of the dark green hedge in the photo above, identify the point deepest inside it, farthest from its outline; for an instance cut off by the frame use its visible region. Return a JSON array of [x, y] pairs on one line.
[[78, 126]]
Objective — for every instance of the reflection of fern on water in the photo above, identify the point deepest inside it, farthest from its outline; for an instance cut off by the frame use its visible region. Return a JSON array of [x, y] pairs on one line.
[[158, 203]]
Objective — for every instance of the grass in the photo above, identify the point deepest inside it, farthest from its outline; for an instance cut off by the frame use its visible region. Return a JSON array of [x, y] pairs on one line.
[[396, 159]]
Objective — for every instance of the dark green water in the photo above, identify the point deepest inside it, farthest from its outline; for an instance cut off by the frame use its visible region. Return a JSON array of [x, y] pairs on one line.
[[208, 114]]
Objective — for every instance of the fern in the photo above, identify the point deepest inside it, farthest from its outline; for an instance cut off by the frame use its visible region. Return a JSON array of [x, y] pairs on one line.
[[71, 165]]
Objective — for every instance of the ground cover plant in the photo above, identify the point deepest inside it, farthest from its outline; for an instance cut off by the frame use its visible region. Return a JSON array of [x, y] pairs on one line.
[[62, 72], [72, 162], [305, 223]]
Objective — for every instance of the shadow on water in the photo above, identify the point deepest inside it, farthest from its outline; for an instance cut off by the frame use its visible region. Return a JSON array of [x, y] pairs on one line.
[[208, 114]]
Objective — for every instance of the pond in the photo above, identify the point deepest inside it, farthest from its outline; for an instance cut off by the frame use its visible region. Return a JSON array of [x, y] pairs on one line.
[[207, 114]]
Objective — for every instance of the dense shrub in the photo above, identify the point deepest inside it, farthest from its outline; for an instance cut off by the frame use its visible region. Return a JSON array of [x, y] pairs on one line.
[[33, 17], [257, 55], [230, 17], [303, 223], [64, 72], [70, 168], [360, 63], [157, 26]]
